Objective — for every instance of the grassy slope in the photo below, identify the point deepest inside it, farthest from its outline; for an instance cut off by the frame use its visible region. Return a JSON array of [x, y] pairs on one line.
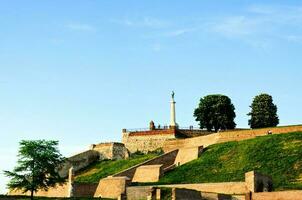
[[277, 155], [105, 168]]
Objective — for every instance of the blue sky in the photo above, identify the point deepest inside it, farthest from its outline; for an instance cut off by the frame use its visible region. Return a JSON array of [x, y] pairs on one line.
[[80, 71]]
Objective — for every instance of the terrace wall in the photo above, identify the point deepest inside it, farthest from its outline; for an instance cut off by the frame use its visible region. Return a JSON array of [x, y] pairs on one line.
[[226, 137]]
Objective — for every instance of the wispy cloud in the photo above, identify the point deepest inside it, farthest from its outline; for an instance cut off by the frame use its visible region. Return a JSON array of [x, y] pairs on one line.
[[260, 25], [80, 27], [148, 22], [179, 32], [235, 26]]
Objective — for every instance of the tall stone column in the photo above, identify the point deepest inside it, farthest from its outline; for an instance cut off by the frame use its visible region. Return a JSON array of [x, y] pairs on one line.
[[70, 182], [172, 112]]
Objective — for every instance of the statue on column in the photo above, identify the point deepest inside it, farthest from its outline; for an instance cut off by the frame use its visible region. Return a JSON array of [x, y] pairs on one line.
[[172, 94], [151, 125]]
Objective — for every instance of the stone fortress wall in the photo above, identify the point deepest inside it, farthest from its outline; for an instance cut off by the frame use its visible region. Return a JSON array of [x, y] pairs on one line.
[[152, 139], [101, 151], [146, 141], [118, 151]]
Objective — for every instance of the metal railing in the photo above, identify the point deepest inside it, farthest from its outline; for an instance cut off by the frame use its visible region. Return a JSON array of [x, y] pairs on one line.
[[161, 128]]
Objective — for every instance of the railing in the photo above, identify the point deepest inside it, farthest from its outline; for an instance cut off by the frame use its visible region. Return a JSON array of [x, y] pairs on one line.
[[192, 128], [145, 129], [161, 128]]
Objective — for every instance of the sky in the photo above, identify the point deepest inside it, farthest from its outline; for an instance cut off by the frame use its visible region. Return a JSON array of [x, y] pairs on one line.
[[81, 71]]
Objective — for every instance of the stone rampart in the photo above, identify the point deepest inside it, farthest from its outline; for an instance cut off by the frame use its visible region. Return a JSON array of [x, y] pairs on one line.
[[145, 141], [226, 137], [79, 161], [110, 150], [222, 188]]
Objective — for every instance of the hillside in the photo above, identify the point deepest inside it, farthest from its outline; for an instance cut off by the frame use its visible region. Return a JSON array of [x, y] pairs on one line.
[[102, 169], [277, 155]]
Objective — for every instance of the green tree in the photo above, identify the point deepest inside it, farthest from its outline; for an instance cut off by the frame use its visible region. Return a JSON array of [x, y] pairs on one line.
[[215, 112], [37, 165], [264, 112]]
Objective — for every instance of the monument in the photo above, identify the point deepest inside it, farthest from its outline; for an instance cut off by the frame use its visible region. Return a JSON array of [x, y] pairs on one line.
[[173, 123]]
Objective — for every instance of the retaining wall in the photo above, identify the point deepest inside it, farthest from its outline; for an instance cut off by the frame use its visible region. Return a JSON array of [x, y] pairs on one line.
[[283, 195], [226, 137], [79, 190], [79, 161], [166, 160]]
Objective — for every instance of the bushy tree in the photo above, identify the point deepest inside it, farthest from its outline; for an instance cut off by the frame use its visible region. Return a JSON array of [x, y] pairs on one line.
[[215, 112], [264, 112], [37, 165]]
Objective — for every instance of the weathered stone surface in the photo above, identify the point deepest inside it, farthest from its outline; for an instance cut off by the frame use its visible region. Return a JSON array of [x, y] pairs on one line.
[[187, 154], [140, 192], [282, 195], [111, 150], [145, 141], [78, 161], [148, 173], [221, 188], [79, 190], [182, 194], [112, 187]]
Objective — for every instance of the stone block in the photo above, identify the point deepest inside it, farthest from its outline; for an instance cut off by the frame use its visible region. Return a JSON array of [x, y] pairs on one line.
[[187, 154], [182, 194], [148, 173], [257, 182], [112, 187], [140, 192]]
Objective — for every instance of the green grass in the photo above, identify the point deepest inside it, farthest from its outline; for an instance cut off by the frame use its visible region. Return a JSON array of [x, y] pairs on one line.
[[102, 169], [279, 156]]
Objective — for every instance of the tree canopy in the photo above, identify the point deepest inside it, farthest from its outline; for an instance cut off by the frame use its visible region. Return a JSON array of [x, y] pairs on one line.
[[37, 165], [264, 112], [215, 112]]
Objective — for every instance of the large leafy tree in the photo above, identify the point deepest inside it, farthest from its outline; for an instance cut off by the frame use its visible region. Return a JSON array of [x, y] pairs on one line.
[[215, 112], [37, 165], [264, 112]]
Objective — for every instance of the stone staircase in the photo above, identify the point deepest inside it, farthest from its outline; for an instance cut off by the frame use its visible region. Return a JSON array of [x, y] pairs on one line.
[[148, 171]]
